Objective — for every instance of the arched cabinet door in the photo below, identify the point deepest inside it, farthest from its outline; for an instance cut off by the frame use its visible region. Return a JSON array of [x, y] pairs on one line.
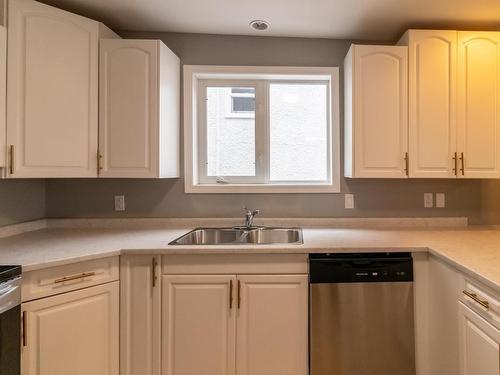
[[479, 104], [139, 109], [52, 93], [432, 61], [376, 111]]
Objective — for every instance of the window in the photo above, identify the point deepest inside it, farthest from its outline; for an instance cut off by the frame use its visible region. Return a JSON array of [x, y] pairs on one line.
[[261, 129]]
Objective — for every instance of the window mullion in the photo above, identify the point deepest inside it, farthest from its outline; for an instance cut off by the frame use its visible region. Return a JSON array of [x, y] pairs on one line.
[[260, 132]]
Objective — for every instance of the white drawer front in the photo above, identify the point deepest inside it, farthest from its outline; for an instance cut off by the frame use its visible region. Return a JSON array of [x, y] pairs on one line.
[[61, 279], [201, 264], [482, 299]]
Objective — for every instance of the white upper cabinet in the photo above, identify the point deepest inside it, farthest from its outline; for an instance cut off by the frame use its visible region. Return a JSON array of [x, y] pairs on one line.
[[52, 91], [3, 92], [376, 139], [479, 104], [431, 108], [139, 109]]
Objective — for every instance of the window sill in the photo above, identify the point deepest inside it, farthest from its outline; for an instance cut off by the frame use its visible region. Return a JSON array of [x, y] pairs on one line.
[[261, 189]]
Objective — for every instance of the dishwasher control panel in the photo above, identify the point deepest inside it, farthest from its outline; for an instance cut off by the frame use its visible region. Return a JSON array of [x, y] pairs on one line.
[[353, 268]]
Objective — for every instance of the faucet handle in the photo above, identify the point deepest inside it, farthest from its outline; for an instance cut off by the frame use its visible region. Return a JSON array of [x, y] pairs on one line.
[[250, 211]]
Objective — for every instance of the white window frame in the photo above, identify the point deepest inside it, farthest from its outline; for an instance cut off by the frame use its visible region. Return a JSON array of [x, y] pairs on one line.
[[193, 74]]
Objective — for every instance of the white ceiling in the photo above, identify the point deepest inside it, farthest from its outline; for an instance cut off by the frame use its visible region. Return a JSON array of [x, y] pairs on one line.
[[345, 19]]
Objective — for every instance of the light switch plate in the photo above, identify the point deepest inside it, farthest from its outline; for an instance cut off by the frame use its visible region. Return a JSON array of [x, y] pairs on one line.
[[349, 201], [440, 200], [428, 200], [119, 202]]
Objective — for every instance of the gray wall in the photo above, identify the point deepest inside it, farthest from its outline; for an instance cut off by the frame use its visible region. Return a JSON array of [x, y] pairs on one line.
[[166, 198], [21, 200]]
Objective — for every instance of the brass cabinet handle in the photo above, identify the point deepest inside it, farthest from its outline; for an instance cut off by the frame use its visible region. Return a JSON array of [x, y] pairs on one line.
[[24, 328], [99, 157], [462, 163], [407, 164], [11, 159], [154, 263], [239, 294], [474, 297], [74, 277], [455, 164], [230, 294]]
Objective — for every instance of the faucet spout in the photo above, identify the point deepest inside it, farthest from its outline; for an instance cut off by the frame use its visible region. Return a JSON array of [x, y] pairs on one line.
[[249, 216]]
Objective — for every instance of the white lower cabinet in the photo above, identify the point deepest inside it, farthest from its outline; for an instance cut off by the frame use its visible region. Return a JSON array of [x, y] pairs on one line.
[[234, 324], [140, 311], [199, 325], [479, 344], [72, 333], [272, 325]]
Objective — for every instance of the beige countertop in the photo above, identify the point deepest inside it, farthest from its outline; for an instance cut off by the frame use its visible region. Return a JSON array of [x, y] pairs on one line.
[[473, 249]]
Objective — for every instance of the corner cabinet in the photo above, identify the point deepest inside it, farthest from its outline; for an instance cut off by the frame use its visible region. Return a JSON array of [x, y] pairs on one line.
[[376, 90], [139, 109], [52, 91]]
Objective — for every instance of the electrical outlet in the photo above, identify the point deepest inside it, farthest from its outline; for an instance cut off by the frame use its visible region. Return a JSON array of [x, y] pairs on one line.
[[119, 202], [428, 200], [349, 201], [440, 200]]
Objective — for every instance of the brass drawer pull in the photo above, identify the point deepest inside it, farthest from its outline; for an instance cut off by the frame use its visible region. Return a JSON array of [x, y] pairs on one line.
[[475, 298], [230, 294], [74, 277]]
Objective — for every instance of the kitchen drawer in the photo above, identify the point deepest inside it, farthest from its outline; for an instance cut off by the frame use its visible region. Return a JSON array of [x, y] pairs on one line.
[[482, 299], [200, 264], [55, 280]]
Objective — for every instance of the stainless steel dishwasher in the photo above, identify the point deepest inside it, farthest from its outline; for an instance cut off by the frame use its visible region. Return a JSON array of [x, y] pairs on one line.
[[361, 314]]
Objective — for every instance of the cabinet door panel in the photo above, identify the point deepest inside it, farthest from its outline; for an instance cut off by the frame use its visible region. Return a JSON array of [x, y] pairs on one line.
[[140, 315], [73, 333], [380, 111], [479, 103], [52, 91], [432, 87], [272, 325], [128, 133], [198, 323], [479, 344]]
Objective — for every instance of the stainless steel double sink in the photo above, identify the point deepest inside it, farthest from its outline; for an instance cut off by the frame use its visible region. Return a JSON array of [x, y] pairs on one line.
[[240, 236]]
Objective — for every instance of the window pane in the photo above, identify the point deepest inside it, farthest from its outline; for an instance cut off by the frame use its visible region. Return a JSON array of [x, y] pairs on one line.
[[230, 140], [298, 132]]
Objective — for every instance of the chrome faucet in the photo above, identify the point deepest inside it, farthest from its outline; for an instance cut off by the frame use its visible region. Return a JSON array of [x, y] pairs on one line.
[[249, 216]]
